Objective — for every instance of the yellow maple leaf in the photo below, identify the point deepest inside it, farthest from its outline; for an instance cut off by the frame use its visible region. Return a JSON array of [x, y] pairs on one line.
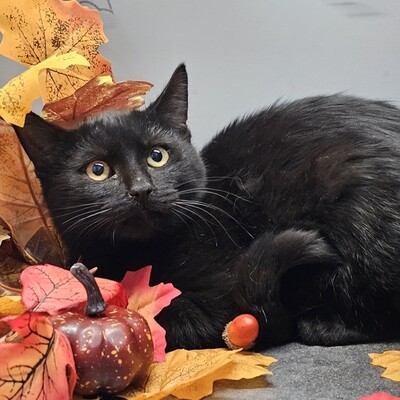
[[36, 29], [17, 96], [390, 360], [191, 374], [11, 305]]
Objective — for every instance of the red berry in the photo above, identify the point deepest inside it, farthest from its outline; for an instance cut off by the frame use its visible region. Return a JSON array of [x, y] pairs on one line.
[[241, 332]]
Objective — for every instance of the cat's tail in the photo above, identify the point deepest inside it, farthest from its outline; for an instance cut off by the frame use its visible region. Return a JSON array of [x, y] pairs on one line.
[[278, 276]]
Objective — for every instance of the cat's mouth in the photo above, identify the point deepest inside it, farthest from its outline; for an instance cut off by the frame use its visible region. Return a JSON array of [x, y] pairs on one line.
[[145, 225]]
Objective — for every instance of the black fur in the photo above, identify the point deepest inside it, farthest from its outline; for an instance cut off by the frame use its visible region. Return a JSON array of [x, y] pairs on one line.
[[297, 219]]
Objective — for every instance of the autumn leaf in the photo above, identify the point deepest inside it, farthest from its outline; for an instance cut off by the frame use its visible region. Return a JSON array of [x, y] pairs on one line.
[[149, 301], [11, 267], [191, 374], [380, 396], [36, 29], [390, 360], [37, 361], [22, 208], [98, 95], [3, 235], [46, 288], [17, 96], [9, 305]]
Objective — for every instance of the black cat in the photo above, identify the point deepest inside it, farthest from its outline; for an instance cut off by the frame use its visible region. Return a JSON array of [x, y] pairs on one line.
[[291, 214]]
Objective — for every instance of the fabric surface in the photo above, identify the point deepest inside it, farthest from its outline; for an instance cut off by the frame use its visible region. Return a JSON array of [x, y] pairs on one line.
[[315, 373]]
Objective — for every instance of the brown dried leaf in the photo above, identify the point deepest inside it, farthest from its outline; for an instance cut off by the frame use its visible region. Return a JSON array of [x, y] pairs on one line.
[[3, 235], [22, 208], [10, 271], [98, 95]]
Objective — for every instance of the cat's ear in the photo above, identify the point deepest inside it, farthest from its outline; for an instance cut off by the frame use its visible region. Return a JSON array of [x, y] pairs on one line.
[[171, 107], [40, 140]]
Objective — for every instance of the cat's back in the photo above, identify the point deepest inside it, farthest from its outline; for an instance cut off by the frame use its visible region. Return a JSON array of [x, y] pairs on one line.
[[308, 158], [312, 125]]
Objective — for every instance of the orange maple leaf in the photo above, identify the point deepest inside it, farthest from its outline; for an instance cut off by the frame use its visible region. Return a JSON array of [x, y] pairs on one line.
[[149, 301], [39, 357], [34, 30], [98, 95]]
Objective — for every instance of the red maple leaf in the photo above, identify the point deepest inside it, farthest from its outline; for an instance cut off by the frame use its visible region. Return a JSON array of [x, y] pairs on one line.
[[149, 301], [37, 361], [46, 288], [380, 396]]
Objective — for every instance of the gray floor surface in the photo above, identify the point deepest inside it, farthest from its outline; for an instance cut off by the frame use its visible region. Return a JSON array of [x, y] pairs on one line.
[[315, 373]]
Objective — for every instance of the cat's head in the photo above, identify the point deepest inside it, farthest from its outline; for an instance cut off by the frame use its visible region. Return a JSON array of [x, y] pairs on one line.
[[120, 174]]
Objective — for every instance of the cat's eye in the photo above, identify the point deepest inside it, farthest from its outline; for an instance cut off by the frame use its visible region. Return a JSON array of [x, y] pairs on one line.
[[157, 157], [98, 170]]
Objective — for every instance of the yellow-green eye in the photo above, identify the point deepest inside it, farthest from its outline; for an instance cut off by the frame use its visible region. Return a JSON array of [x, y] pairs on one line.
[[157, 157], [98, 170]]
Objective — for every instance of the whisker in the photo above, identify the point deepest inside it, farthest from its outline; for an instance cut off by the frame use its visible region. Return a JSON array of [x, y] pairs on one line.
[[78, 209], [96, 203], [113, 236], [209, 179], [87, 229], [214, 207], [92, 215], [198, 207], [181, 216], [96, 224], [76, 214], [182, 213], [184, 207], [215, 192]]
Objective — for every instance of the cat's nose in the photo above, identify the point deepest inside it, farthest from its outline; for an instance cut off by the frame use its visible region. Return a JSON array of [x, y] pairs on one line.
[[140, 194]]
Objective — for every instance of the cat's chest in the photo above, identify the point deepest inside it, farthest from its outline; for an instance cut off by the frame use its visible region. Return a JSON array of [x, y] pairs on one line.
[[193, 259]]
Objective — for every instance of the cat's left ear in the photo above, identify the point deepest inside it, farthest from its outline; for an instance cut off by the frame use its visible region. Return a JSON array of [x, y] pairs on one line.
[[40, 140], [171, 107]]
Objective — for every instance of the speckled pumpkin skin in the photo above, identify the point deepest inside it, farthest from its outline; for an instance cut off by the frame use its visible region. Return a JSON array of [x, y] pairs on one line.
[[110, 351]]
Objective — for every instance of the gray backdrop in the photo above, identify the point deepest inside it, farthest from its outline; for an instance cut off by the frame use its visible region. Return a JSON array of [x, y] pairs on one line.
[[242, 55]]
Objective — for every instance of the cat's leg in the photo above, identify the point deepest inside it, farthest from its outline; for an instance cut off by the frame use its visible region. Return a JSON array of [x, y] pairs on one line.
[[196, 319], [262, 269], [326, 327], [350, 316]]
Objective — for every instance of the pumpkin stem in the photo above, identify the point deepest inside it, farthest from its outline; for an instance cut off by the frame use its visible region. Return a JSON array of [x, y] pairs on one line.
[[95, 302]]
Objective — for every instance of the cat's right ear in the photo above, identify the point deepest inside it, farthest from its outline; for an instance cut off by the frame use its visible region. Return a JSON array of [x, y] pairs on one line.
[[171, 107], [40, 139]]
